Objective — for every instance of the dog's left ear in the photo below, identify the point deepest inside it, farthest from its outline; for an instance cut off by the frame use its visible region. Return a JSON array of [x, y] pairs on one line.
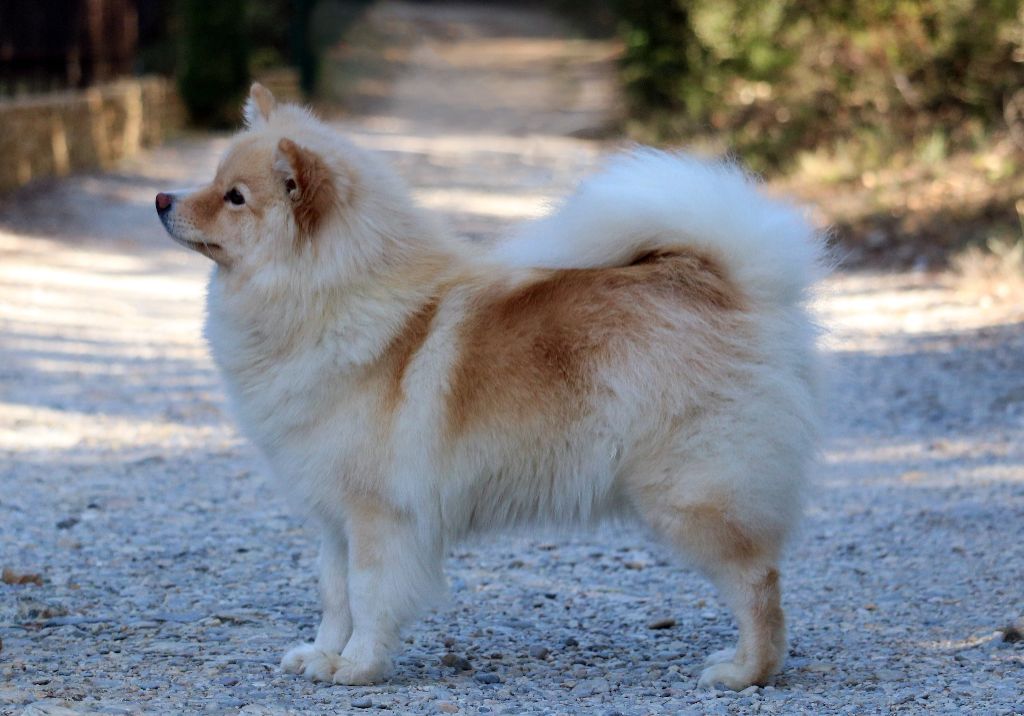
[[259, 106], [311, 186]]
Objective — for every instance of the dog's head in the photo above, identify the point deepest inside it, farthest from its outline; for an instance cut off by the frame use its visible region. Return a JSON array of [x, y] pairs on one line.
[[289, 193]]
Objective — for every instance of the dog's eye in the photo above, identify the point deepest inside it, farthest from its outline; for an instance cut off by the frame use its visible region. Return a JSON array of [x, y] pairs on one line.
[[235, 197]]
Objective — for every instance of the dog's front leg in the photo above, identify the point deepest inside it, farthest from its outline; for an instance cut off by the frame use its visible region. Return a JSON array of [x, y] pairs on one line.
[[319, 660], [395, 568]]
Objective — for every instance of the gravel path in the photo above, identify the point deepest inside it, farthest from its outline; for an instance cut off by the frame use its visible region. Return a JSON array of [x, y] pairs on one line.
[[172, 576]]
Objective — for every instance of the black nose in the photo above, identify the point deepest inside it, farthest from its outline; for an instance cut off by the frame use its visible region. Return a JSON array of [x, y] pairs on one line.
[[163, 202]]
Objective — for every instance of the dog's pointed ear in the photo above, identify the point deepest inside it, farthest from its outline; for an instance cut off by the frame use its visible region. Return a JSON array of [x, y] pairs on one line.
[[259, 106], [311, 186]]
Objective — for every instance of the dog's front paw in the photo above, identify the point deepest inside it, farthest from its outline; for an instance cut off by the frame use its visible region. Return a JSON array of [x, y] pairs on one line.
[[312, 662], [356, 673]]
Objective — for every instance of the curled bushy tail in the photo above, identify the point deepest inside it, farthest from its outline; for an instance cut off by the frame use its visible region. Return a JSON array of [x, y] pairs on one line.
[[649, 199]]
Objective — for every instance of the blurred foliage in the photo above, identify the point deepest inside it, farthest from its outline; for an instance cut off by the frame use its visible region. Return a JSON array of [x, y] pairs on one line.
[[214, 72], [772, 79], [268, 24], [159, 30], [329, 21], [215, 47], [995, 269]]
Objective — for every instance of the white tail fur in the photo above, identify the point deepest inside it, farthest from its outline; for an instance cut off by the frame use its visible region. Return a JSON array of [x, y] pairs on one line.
[[650, 199]]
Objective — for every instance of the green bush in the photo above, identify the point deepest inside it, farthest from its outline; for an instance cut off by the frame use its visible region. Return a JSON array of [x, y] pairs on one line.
[[224, 41], [773, 78], [214, 71]]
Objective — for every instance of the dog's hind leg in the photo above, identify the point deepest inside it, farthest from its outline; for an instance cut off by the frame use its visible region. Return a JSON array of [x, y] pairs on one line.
[[744, 569], [395, 570], [752, 593]]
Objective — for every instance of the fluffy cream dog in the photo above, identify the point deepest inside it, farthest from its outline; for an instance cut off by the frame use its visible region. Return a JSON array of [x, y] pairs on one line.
[[642, 352]]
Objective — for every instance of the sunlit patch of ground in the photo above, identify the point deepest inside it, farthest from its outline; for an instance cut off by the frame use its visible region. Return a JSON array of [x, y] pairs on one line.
[[880, 311]]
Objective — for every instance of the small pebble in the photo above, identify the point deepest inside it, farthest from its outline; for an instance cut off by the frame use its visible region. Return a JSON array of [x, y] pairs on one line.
[[820, 667], [539, 652], [487, 678], [666, 623], [460, 663], [888, 675], [363, 703]]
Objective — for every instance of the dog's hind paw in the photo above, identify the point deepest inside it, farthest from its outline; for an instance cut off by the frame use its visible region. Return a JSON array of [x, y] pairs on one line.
[[720, 657], [729, 674], [312, 662]]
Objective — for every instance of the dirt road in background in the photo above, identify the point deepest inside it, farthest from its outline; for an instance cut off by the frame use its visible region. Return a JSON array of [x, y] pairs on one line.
[[174, 577]]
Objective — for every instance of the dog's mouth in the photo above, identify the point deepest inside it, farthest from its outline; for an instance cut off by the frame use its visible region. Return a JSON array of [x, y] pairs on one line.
[[209, 249], [212, 251], [200, 246]]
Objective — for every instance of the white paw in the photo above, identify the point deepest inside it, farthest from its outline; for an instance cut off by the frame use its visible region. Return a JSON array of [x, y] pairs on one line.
[[355, 673], [728, 673], [311, 661]]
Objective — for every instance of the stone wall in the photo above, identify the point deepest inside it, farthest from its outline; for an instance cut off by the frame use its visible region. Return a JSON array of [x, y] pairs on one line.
[[55, 134]]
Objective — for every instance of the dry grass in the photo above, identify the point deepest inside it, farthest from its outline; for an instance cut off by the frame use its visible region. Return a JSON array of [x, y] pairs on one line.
[[994, 271], [921, 207]]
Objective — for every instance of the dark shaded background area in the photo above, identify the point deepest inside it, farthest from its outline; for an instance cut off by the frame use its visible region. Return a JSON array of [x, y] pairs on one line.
[[56, 44]]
